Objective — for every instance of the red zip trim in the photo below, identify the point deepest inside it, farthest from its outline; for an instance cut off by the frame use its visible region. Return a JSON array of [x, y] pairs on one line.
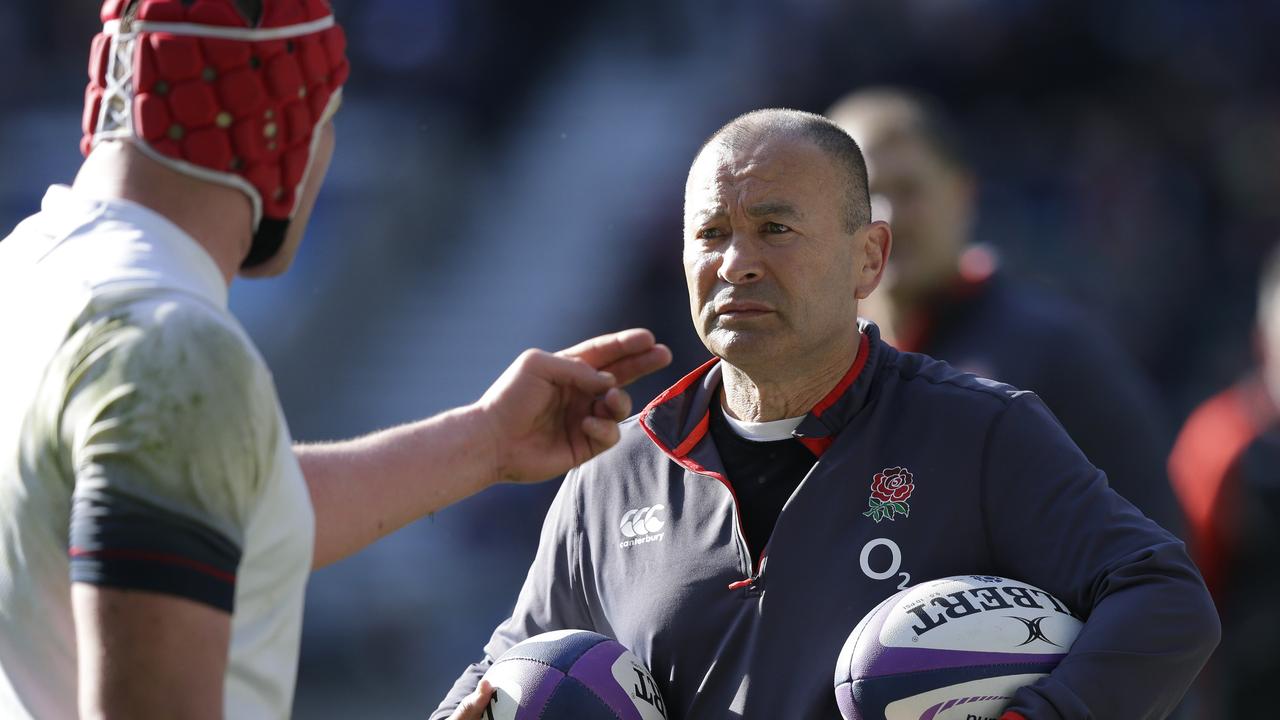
[[751, 580], [680, 454]]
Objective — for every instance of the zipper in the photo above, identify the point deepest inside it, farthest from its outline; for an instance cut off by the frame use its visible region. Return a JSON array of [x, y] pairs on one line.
[[749, 581], [741, 536], [681, 459], [744, 551]]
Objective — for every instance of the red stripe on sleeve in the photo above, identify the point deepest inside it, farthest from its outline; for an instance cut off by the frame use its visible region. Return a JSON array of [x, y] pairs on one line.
[[163, 558]]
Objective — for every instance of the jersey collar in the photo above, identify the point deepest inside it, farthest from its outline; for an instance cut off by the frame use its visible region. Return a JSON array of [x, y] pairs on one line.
[[677, 420], [123, 243]]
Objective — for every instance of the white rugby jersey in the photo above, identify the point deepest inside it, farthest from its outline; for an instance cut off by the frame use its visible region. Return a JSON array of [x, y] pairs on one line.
[[142, 446]]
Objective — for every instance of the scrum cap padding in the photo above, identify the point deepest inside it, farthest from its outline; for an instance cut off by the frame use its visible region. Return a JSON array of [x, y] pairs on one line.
[[197, 88]]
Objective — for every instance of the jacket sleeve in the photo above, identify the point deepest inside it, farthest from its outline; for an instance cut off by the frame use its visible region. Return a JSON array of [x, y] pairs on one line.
[[1053, 521], [552, 597], [1111, 411]]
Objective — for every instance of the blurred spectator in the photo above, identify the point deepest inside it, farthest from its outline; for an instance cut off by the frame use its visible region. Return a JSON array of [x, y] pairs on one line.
[[947, 298], [1225, 468]]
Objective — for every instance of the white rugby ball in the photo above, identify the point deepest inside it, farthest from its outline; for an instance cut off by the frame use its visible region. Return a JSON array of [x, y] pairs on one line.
[[955, 648]]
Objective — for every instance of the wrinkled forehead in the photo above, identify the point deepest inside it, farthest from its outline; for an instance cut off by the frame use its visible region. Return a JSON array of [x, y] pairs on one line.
[[724, 173]]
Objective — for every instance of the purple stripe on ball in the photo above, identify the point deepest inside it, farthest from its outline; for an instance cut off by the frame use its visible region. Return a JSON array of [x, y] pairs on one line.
[[595, 670], [893, 660]]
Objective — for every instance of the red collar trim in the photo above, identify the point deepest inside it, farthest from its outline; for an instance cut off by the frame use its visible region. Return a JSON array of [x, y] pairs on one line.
[[680, 451], [859, 361], [676, 390]]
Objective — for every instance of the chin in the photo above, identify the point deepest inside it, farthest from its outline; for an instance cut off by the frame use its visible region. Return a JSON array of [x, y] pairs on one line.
[[741, 348]]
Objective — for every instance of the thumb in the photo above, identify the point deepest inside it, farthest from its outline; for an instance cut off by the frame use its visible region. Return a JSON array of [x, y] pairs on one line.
[[473, 706]]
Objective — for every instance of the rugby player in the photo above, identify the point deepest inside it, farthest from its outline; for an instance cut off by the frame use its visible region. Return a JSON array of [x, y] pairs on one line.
[[157, 524]]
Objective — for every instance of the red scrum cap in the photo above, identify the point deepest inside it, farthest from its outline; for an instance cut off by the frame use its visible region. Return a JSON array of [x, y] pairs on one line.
[[201, 89]]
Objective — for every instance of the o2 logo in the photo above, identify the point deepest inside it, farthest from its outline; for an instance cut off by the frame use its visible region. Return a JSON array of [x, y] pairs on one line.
[[873, 563]]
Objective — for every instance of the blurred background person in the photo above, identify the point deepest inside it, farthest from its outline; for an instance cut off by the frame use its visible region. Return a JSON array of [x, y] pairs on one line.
[[1126, 150], [946, 297], [1225, 468]]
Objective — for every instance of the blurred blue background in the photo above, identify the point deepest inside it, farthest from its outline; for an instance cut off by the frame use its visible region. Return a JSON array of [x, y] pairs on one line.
[[510, 175]]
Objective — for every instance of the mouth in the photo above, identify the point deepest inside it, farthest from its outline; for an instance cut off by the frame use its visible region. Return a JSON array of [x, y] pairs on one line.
[[742, 310]]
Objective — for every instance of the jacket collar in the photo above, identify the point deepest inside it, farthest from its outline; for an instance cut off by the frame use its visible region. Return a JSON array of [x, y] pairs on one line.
[[676, 421]]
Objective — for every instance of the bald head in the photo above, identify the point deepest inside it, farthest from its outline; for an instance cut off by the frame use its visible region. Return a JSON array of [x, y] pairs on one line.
[[761, 126]]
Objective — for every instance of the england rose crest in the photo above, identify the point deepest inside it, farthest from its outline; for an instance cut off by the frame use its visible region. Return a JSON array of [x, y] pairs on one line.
[[890, 489]]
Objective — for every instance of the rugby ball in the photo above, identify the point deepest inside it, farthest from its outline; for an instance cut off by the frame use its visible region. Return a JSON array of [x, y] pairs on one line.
[[956, 648], [572, 675]]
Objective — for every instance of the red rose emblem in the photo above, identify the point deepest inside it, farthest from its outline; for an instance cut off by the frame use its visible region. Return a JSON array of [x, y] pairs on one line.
[[892, 485]]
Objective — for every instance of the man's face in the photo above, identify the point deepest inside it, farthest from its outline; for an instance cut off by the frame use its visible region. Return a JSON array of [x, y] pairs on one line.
[[930, 205], [774, 274]]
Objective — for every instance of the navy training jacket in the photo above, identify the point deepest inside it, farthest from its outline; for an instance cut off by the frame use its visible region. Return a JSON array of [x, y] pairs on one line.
[[1035, 341], [644, 543]]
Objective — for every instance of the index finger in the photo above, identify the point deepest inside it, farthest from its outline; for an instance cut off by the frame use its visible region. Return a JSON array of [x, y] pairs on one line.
[[633, 367], [605, 350]]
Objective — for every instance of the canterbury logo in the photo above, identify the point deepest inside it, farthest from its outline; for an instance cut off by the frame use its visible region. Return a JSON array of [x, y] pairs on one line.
[[642, 521]]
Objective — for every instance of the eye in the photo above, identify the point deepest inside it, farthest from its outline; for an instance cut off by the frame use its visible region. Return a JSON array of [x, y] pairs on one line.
[[773, 228], [709, 233]]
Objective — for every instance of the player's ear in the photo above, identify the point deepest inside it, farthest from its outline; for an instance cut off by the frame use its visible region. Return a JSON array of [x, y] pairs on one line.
[[872, 243]]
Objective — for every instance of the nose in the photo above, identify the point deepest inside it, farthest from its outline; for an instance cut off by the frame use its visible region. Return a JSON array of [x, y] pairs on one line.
[[740, 264]]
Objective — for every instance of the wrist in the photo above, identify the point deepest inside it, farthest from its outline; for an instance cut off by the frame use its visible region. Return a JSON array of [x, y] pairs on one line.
[[477, 422]]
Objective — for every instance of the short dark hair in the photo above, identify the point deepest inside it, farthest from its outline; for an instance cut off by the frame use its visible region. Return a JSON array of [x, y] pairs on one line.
[[928, 120], [829, 137]]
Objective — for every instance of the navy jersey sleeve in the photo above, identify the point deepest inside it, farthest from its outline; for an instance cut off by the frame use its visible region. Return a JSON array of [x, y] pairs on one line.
[[552, 597], [1053, 521], [167, 423], [1112, 413]]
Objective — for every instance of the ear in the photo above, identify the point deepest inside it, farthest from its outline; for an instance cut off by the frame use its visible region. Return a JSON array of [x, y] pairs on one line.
[[872, 245]]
